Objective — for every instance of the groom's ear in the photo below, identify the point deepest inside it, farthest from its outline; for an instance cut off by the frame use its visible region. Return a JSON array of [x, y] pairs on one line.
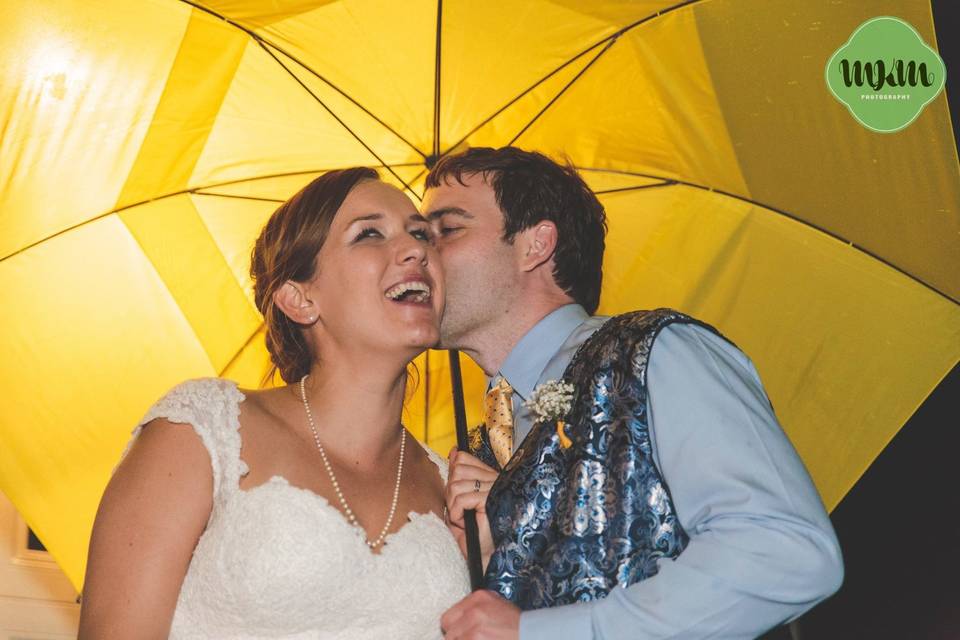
[[537, 244]]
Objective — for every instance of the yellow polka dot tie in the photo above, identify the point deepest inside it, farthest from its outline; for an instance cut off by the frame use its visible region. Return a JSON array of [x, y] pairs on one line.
[[498, 418]]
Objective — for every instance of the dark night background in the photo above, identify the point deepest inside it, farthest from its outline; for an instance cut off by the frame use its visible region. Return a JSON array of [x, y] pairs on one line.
[[899, 527]]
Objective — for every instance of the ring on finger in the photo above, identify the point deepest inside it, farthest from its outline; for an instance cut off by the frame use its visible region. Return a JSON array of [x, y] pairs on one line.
[[476, 485]]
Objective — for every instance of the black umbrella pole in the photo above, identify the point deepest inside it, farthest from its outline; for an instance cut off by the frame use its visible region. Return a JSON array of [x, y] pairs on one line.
[[474, 562]]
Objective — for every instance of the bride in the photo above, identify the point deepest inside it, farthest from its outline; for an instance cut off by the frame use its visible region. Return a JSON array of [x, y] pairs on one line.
[[307, 510]]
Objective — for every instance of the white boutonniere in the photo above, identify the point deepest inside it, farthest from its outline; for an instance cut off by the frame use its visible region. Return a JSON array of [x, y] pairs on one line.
[[551, 402]]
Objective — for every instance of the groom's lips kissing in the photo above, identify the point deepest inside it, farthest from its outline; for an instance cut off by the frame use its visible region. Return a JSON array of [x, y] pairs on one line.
[[414, 289]]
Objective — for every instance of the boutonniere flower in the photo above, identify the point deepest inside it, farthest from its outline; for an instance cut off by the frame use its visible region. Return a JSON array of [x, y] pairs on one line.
[[551, 402]]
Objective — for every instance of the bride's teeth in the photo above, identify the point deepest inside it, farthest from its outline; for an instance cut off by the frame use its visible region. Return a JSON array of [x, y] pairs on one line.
[[396, 292]]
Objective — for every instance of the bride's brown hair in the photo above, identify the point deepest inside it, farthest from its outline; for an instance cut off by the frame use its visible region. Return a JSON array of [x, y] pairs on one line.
[[286, 250]]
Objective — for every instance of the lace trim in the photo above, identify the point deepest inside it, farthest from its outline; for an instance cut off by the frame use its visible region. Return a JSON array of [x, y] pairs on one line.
[[436, 459], [212, 407]]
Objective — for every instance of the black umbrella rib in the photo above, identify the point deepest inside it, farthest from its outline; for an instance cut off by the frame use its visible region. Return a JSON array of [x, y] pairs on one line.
[[337, 118], [561, 92], [182, 192], [674, 182], [426, 396], [417, 177], [614, 36], [521, 95], [263, 41], [638, 187], [287, 174], [270, 176], [241, 349], [436, 85], [236, 196]]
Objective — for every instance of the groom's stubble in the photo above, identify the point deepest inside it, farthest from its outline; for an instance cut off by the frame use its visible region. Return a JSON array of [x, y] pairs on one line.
[[481, 290], [480, 268]]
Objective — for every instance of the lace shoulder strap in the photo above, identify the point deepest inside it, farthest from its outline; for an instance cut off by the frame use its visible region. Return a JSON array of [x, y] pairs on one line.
[[436, 459], [212, 407]]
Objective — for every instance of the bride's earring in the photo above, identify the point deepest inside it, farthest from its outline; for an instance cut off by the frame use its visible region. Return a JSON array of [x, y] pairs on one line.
[[312, 318]]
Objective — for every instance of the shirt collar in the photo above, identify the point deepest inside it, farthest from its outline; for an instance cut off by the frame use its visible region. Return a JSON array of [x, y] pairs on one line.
[[528, 358]]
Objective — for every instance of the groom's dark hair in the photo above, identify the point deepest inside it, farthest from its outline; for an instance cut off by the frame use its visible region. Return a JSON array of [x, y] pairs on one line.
[[530, 187]]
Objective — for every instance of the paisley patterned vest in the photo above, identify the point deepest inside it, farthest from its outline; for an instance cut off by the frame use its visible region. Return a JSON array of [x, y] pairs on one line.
[[570, 523]]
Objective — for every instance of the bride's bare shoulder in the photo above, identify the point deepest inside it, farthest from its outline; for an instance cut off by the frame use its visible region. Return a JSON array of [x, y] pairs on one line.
[[270, 398], [269, 409]]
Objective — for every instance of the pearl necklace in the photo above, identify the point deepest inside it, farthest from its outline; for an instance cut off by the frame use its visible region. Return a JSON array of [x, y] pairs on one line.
[[336, 486]]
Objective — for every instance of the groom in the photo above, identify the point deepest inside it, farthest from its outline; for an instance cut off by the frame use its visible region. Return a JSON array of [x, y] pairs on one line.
[[657, 496]]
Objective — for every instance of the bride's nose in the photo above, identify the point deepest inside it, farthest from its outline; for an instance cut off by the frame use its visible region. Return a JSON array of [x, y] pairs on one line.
[[411, 250]]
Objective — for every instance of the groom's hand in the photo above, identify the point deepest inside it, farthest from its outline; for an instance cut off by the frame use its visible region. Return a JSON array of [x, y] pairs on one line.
[[482, 615], [468, 484]]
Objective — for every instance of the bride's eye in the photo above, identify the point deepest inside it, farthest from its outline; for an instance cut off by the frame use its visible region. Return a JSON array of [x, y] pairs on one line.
[[368, 232], [422, 233]]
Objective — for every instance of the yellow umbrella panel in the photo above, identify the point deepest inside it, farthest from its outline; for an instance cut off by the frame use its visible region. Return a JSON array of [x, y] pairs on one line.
[[143, 146]]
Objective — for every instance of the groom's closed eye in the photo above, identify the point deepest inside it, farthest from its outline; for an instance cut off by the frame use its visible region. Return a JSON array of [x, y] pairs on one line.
[[446, 221], [446, 229]]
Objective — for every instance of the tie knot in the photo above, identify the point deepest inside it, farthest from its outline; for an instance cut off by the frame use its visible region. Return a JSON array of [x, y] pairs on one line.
[[498, 418], [502, 387]]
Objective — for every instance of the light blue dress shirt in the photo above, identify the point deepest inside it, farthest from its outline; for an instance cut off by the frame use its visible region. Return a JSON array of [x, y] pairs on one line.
[[762, 549]]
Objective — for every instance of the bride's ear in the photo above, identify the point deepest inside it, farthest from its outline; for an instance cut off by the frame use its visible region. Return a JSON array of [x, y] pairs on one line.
[[292, 299]]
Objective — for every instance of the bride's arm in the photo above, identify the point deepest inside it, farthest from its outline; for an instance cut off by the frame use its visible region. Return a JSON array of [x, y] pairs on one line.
[[153, 512]]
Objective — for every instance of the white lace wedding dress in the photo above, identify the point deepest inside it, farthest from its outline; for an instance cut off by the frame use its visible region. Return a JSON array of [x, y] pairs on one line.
[[278, 561]]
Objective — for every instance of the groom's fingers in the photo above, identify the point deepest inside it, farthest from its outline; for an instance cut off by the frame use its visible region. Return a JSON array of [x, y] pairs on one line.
[[472, 632], [454, 615], [467, 486], [473, 500], [451, 615], [460, 486], [459, 458], [481, 615], [467, 480], [458, 472], [456, 486], [461, 500], [467, 474]]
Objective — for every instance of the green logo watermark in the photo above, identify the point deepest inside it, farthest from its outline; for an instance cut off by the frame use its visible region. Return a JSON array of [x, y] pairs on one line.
[[885, 74]]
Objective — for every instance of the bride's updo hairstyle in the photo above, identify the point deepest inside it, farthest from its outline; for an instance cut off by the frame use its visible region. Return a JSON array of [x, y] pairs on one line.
[[286, 250]]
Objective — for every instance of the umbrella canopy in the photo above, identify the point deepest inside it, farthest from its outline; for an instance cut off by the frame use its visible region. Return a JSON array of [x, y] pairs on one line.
[[144, 144]]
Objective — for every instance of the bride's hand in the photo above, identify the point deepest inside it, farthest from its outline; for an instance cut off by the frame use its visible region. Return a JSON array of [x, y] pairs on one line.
[[468, 484]]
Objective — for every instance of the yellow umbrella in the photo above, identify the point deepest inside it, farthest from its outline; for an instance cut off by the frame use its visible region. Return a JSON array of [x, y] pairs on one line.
[[144, 144]]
